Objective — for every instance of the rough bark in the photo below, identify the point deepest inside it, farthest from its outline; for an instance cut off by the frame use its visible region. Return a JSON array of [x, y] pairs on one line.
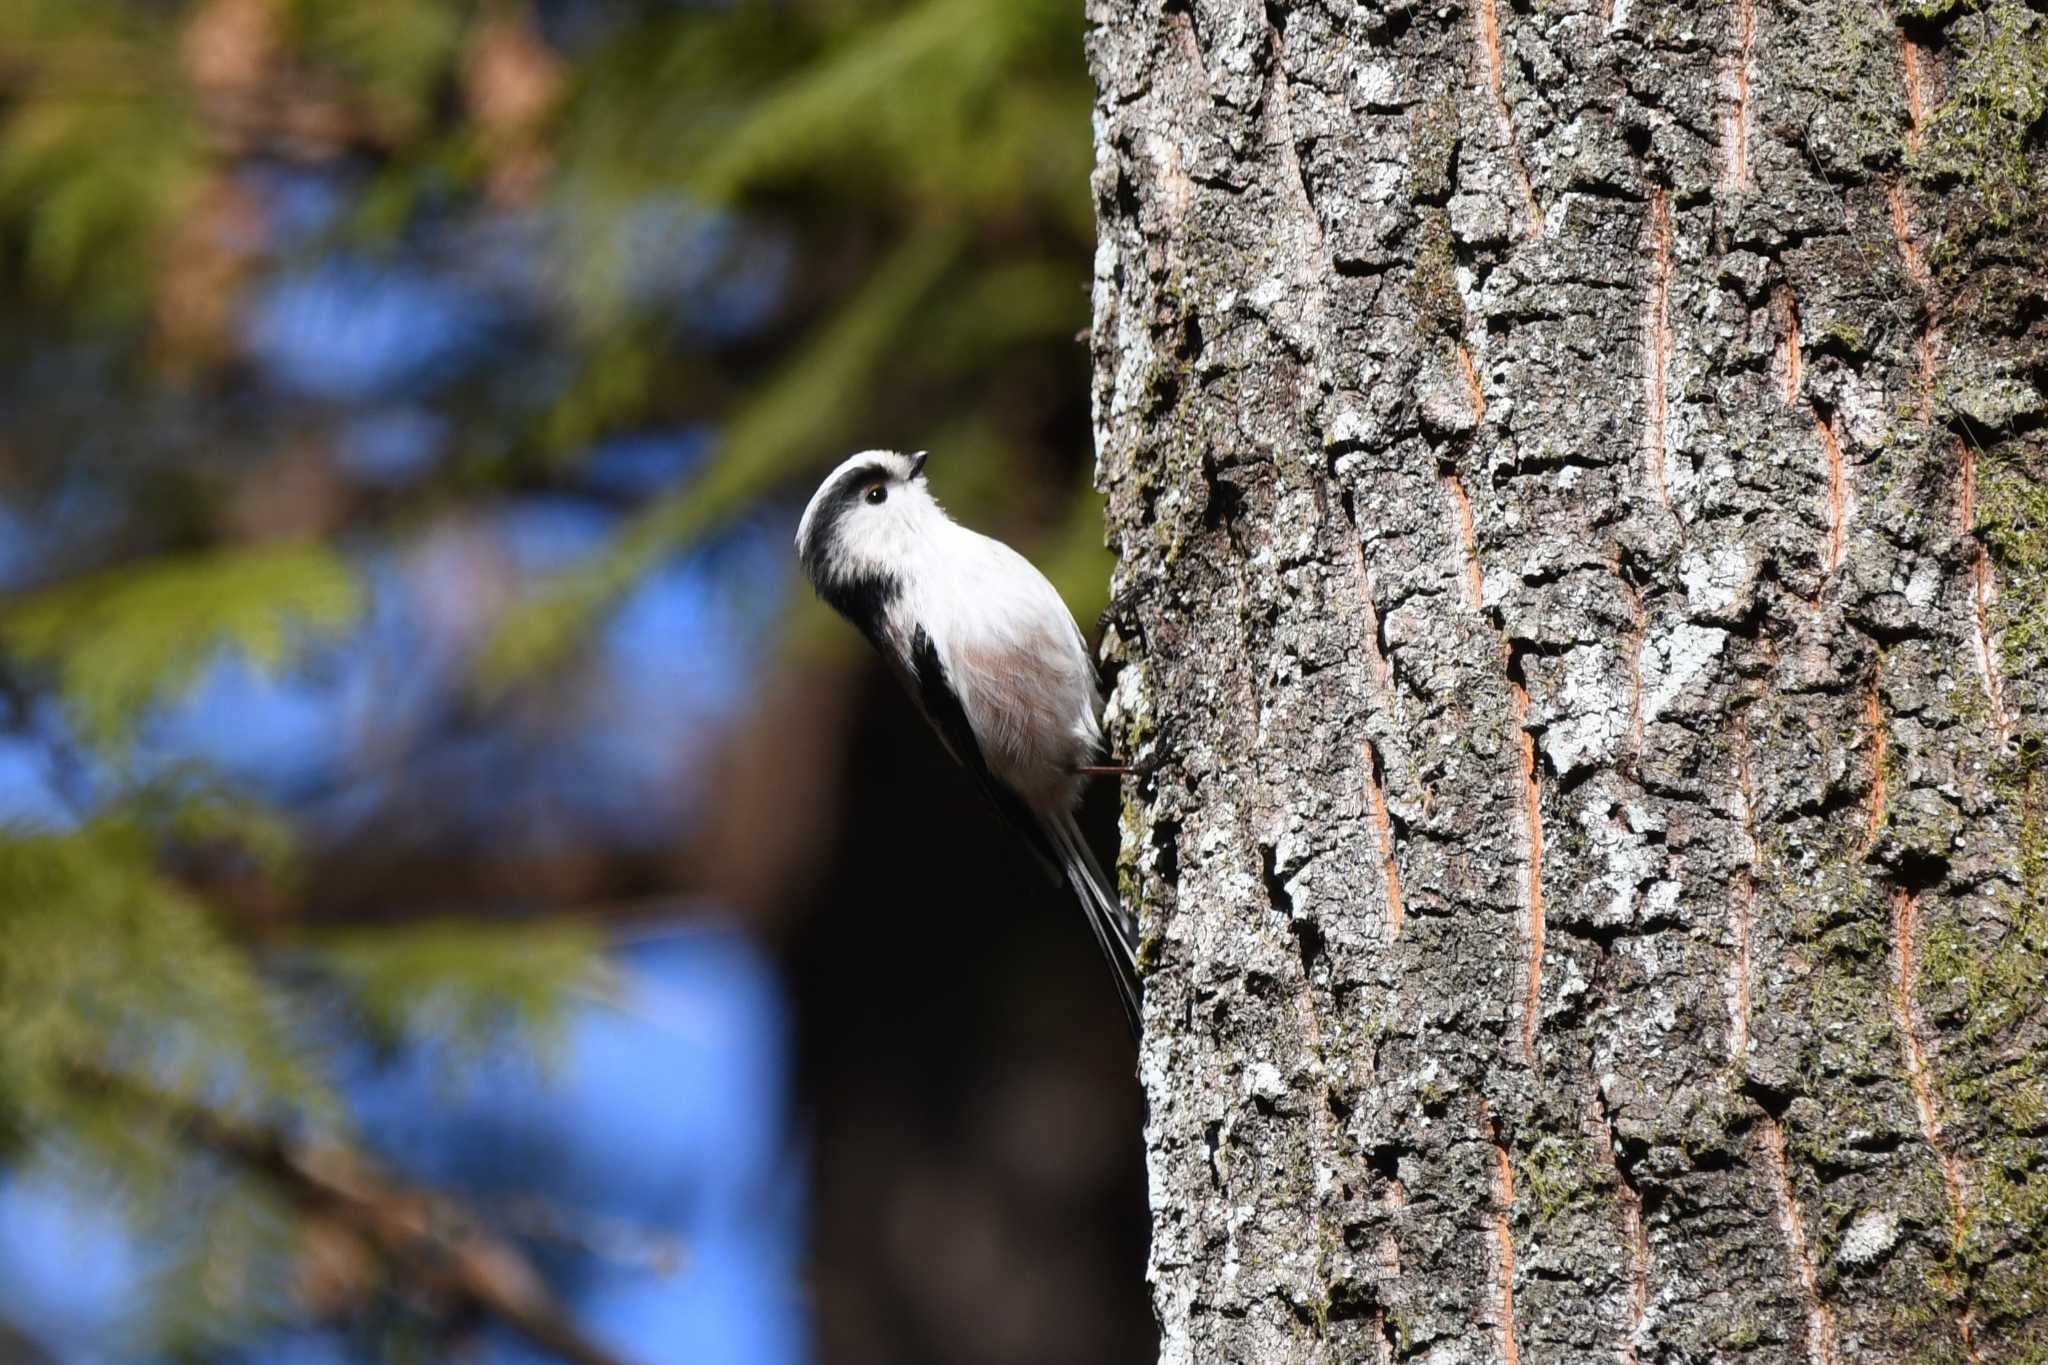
[[1591, 882]]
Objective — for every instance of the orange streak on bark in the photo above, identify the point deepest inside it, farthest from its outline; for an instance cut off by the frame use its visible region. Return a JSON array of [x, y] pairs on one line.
[[1735, 173], [1503, 1235], [1981, 592], [1381, 673], [1634, 1232], [1472, 388], [1793, 367], [1838, 494], [1954, 1177], [1966, 1328], [1905, 922], [1386, 831], [1657, 357], [1909, 57], [1873, 714], [1486, 21], [1820, 1323], [1916, 268], [1966, 494], [1532, 821], [1983, 588], [1902, 230], [1468, 544]]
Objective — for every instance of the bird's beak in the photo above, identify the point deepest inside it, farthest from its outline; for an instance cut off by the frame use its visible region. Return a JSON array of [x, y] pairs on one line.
[[917, 463]]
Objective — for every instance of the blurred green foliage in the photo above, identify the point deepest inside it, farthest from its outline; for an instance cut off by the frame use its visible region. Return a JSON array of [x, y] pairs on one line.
[[462, 982], [952, 133], [116, 640], [84, 219], [109, 962], [927, 160]]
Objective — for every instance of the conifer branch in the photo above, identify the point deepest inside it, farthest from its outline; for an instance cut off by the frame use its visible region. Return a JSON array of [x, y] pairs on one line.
[[426, 1238]]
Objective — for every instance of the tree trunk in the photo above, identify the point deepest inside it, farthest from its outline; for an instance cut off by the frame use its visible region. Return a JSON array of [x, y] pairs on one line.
[[1578, 473]]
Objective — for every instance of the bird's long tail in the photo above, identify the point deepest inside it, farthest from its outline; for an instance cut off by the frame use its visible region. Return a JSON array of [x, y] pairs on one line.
[[1113, 931]]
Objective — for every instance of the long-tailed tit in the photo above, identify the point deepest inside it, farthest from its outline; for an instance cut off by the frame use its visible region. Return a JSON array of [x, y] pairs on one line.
[[987, 649]]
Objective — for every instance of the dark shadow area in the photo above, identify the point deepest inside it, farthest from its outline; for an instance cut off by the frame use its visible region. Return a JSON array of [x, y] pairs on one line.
[[970, 1084]]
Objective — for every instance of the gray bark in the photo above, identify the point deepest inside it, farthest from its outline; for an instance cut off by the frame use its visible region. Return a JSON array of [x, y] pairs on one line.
[[1591, 889]]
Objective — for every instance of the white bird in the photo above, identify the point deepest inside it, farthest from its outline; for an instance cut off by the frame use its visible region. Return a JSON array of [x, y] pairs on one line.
[[989, 651]]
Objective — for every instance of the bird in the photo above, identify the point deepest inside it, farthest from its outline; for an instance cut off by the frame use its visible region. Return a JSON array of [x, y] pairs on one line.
[[990, 654]]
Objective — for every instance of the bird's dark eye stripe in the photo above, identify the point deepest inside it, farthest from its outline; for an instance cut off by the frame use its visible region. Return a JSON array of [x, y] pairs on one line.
[[854, 482]]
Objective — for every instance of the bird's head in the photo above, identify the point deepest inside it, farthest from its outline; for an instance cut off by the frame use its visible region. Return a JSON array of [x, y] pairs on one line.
[[865, 521]]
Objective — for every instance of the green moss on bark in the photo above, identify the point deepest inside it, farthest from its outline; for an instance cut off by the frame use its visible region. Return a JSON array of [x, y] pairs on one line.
[[2012, 517], [1982, 141]]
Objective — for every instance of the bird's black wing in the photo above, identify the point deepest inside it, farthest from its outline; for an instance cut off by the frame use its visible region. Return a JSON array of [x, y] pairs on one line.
[[941, 706]]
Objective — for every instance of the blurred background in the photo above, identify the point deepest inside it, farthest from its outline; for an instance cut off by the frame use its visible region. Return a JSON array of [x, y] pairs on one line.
[[460, 899]]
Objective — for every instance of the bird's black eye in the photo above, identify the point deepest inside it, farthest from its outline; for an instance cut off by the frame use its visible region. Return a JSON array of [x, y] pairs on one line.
[[878, 494]]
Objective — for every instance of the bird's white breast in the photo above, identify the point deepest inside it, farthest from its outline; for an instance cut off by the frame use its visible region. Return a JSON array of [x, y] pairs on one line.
[[1014, 658]]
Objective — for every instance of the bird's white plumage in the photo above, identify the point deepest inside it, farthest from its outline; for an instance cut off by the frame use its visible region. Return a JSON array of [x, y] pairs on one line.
[[1015, 658], [1010, 647], [880, 548]]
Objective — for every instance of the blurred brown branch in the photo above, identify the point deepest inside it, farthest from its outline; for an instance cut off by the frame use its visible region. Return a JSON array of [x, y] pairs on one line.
[[20, 1349], [611, 1239], [428, 1240]]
